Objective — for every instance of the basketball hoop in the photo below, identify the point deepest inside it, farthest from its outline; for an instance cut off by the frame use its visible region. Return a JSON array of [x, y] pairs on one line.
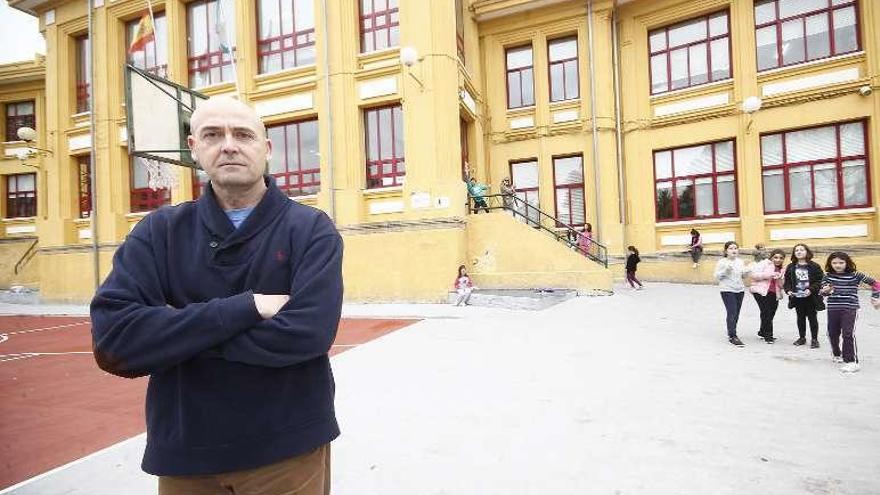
[[159, 175]]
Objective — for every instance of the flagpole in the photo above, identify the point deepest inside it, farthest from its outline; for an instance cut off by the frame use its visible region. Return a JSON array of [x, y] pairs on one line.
[[221, 14], [153, 22]]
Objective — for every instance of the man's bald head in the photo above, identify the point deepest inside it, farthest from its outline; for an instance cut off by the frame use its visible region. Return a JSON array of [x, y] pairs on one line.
[[225, 106]]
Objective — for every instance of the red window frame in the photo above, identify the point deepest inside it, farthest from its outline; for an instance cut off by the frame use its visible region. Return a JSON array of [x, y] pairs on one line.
[[392, 159], [295, 180], [371, 31], [519, 71], [150, 49], [199, 181], [143, 198], [290, 47], [83, 165], [16, 118], [459, 29], [211, 62], [830, 8], [838, 166], [567, 190], [465, 155], [673, 179], [20, 203], [565, 62], [667, 52], [530, 195], [83, 75]]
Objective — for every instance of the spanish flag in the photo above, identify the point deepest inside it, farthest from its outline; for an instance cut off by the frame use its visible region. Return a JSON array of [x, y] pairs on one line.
[[143, 34]]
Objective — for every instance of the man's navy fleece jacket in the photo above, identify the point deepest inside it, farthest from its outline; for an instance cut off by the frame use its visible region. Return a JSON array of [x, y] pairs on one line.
[[228, 390]]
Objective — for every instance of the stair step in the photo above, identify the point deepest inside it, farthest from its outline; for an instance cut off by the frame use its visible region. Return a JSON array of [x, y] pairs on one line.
[[528, 299]]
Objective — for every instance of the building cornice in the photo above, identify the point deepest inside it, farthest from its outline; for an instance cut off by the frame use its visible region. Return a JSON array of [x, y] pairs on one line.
[[17, 72]]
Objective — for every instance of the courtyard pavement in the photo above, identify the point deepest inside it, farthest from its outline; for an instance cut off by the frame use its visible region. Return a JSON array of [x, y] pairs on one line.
[[634, 393]]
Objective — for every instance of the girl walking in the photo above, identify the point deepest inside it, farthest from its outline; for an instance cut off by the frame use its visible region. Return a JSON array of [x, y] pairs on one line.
[[729, 272], [803, 277], [767, 289], [632, 262], [696, 248], [585, 239], [463, 286], [840, 285]]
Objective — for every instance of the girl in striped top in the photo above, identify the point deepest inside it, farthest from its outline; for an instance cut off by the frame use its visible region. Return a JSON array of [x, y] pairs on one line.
[[840, 285]]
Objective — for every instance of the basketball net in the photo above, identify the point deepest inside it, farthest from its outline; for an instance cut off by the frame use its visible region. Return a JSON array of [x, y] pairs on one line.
[[160, 175]]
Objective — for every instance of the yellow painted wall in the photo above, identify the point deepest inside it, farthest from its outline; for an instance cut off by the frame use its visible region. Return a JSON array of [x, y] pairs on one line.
[[415, 265], [11, 251], [506, 253], [434, 96], [645, 131]]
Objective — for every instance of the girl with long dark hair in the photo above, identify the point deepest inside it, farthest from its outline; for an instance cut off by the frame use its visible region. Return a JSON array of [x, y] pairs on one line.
[[803, 278], [696, 247], [841, 286]]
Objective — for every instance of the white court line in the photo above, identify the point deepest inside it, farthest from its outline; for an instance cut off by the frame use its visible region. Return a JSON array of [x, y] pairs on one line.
[[56, 327], [24, 355], [345, 345], [68, 465]]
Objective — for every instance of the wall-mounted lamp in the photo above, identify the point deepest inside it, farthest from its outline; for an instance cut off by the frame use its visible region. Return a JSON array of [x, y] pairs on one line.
[[749, 106], [29, 135], [409, 56]]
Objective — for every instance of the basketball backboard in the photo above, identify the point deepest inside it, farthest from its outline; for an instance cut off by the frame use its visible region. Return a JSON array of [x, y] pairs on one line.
[[157, 116]]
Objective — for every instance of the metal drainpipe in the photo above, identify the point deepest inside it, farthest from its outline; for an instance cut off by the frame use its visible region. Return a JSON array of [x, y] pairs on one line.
[[331, 209], [621, 164], [92, 158], [598, 230]]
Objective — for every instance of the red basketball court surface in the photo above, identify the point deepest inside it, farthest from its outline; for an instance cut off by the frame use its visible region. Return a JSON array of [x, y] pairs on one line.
[[57, 406]]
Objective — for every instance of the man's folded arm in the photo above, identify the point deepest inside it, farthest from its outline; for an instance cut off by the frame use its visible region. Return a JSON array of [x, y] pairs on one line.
[[306, 326], [134, 331]]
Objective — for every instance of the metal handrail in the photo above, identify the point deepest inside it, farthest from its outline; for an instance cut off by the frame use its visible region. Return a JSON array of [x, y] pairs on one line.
[[26, 257], [534, 217]]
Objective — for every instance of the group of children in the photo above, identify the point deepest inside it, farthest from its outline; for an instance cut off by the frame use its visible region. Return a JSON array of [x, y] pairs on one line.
[[809, 290]]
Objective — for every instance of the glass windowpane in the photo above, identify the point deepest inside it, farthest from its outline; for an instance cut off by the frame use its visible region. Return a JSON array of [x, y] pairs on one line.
[[774, 191], [818, 37], [771, 150], [718, 25], [693, 160], [679, 63], [811, 144], [852, 139], [855, 183], [687, 33], [720, 52], [765, 12], [685, 191], [663, 164], [845, 33], [658, 73], [768, 56], [800, 188], [793, 41], [563, 49], [724, 156], [658, 40], [705, 198], [664, 201], [825, 184], [726, 195], [518, 58], [699, 67]]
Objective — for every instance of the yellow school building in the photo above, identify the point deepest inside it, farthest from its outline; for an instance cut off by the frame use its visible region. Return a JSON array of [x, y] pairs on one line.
[[748, 120]]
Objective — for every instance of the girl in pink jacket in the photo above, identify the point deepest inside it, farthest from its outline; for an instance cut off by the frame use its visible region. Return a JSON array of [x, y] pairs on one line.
[[767, 289]]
